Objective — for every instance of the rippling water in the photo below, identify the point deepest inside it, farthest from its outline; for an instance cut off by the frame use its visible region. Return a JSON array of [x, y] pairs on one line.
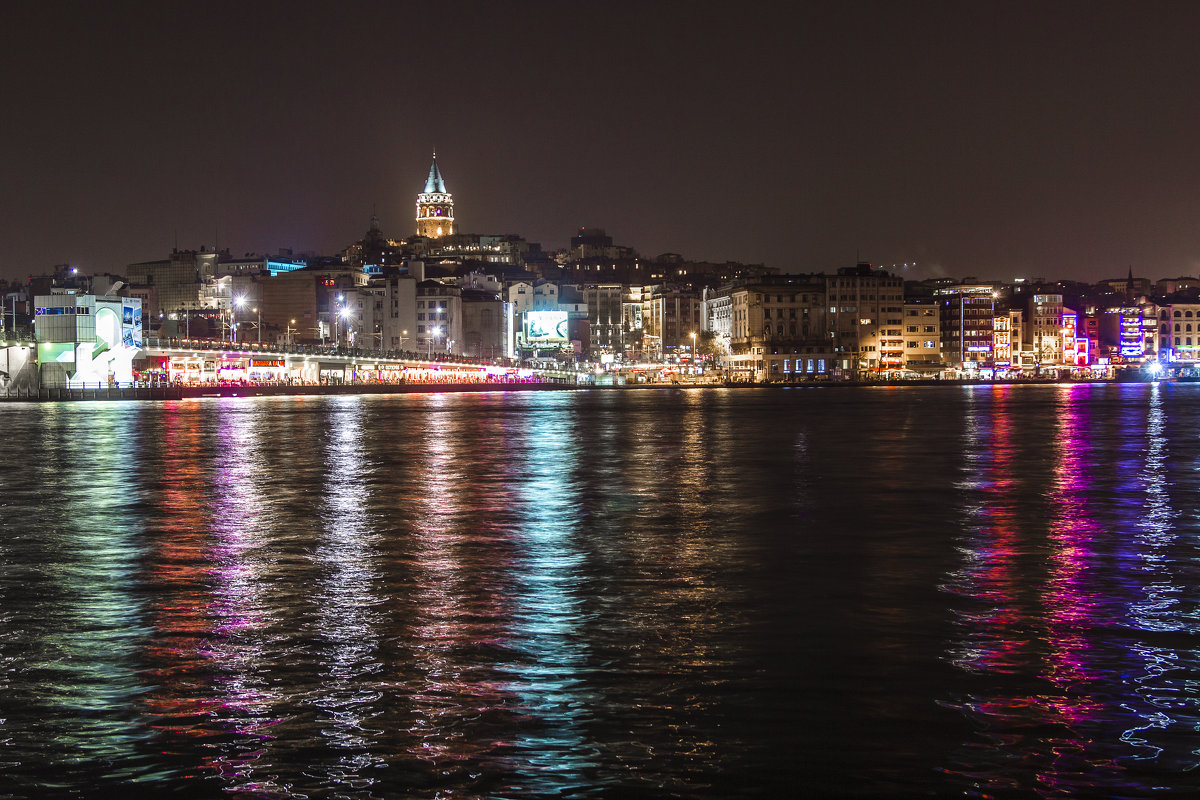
[[648, 593]]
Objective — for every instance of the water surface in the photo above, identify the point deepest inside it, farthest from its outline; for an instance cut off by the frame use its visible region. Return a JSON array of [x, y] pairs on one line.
[[971, 591]]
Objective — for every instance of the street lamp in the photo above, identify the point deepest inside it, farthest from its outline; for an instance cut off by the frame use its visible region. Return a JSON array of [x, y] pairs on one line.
[[288, 334], [693, 334], [345, 313], [258, 324], [433, 332], [238, 302]]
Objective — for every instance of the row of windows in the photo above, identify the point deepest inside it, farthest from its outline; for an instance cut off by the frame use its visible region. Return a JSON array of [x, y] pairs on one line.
[[913, 329], [779, 329], [779, 298], [432, 317], [820, 365], [56, 310]]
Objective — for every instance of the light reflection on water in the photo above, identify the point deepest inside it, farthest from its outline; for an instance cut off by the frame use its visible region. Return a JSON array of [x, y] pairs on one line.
[[1065, 596], [548, 674], [976, 591], [89, 613]]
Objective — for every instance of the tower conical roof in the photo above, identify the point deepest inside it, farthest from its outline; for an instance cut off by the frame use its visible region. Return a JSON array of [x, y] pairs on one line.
[[434, 182]]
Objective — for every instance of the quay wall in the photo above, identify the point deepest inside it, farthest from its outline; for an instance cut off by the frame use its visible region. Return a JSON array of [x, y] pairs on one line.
[[186, 392]]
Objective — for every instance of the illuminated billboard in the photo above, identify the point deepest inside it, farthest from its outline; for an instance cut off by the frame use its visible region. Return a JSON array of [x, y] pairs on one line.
[[546, 327], [131, 322]]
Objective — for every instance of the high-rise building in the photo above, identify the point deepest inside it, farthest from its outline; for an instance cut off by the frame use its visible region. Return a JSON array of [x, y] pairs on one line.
[[968, 326], [923, 337], [866, 318], [1043, 332], [435, 206]]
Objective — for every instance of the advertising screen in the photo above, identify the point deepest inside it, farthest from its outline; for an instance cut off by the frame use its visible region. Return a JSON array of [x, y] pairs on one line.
[[546, 326], [131, 323]]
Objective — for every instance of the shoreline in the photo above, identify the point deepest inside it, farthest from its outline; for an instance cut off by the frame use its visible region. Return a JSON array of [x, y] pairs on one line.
[[103, 394], [197, 392]]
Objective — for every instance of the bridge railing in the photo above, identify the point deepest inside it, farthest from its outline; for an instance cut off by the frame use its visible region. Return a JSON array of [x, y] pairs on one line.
[[251, 348], [91, 385]]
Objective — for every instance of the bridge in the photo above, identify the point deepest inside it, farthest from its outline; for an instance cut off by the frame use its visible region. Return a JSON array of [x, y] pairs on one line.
[[180, 367]]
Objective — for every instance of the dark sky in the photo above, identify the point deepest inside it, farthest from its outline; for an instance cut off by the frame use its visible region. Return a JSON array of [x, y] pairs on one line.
[[987, 139]]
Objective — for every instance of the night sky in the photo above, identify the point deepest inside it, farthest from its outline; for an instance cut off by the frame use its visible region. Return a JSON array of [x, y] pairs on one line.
[[993, 140]]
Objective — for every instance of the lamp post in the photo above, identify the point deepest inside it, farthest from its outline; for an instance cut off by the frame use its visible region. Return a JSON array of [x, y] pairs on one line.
[[693, 334], [345, 313], [433, 332], [288, 334], [335, 313], [238, 302], [258, 324]]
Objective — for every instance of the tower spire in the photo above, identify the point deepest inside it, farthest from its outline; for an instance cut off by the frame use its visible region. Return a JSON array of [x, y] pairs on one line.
[[435, 183], [435, 205]]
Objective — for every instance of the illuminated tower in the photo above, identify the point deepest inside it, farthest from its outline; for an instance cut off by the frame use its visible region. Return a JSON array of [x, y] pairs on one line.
[[435, 206]]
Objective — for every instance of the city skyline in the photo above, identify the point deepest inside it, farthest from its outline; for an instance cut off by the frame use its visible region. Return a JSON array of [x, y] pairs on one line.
[[992, 140]]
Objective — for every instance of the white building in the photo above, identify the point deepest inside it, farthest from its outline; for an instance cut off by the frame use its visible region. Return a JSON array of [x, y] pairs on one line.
[[85, 340]]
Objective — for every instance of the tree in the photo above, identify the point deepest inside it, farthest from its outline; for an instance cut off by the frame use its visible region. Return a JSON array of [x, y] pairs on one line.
[[709, 346]]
